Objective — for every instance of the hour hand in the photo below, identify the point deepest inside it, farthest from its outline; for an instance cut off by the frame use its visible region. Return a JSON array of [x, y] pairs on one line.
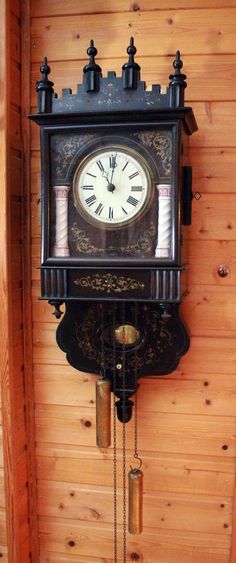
[[104, 173]]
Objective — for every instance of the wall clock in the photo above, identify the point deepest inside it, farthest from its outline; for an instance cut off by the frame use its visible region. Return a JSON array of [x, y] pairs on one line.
[[116, 200]]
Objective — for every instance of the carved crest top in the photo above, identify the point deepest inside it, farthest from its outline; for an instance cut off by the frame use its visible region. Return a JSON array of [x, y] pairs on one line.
[[111, 93]]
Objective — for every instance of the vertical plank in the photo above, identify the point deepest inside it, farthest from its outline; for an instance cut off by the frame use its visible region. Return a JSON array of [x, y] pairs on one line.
[[3, 207], [27, 314], [71, 538], [11, 333]]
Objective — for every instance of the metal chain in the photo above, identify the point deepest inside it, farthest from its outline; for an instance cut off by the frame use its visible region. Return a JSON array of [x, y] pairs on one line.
[[136, 425], [115, 443], [124, 490], [102, 374], [115, 478], [124, 440], [114, 438], [103, 369], [136, 454]]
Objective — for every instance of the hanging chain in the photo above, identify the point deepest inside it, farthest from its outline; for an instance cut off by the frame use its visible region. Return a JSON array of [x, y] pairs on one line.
[[124, 437], [115, 478], [114, 437], [102, 374], [124, 490], [136, 453], [136, 426]]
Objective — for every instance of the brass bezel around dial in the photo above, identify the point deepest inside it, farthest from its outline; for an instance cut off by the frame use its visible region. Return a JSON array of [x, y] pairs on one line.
[[128, 151]]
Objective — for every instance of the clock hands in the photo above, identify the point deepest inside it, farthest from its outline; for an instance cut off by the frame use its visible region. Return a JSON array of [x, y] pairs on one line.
[[113, 165], [104, 173], [128, 186]]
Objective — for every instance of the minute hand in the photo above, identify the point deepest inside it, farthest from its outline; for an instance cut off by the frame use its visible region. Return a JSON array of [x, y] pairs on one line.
[[113, 168]]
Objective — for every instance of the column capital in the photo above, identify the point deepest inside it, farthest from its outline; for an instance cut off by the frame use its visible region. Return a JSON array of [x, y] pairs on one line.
[[61, 192]]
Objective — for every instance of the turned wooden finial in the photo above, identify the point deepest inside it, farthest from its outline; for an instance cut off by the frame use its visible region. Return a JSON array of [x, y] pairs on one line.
[[177, 83], [92, 70], [131, 69], [44, 89], [45, 69]]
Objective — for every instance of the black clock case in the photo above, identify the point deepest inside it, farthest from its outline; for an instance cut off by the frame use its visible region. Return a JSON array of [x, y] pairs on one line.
[[102, 293], [157, 280]]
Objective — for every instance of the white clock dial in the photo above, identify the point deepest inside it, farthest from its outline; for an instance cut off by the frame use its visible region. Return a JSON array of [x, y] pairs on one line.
[[112, 186]]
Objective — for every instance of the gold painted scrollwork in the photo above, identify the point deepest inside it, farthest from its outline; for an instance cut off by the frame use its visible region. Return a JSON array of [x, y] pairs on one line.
[[109, 282], [143, 245], [162, 144]]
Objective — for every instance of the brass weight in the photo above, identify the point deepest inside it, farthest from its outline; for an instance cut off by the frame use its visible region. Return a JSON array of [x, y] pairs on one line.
[[135, 501], [103, 413]]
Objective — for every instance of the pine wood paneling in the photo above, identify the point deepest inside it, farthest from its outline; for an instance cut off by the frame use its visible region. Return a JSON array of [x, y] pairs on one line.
[[64, 387], [216, 127], [3, 270], [15, 34], [47, 557], [58, 7], [214, 217], [187, 419], [164, 472], [85, 540], [204, 265], [203, 357], [189, 29], [208, 514], [209, 165], [207, 305], [15, 76], [27, 310], [178, 433], [16, 530], [201, 72]]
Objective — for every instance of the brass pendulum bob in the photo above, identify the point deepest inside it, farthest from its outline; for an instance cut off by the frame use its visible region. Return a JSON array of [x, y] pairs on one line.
[[103, 413], [135, 501]]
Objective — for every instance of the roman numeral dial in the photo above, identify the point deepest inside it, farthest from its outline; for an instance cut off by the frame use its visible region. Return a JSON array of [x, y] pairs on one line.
[[112, 186]]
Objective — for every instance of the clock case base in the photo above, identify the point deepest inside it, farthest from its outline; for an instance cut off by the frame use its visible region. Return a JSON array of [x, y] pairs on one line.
[[111, 284], [86, 334]]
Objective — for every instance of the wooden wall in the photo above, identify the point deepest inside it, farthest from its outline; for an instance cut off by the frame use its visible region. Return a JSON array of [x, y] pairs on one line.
[[3, 167], [14, 525], [188, 419]]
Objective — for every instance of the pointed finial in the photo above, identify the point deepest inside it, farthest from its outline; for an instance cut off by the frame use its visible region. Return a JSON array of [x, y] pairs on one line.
[[177, 63], [131, 69], [92, 52], [131, 50], [45, 69], [92, 71], [177, 83], [44, 89]]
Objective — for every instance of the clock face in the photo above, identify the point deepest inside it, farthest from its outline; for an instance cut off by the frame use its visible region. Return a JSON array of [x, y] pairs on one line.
[[112, 186]]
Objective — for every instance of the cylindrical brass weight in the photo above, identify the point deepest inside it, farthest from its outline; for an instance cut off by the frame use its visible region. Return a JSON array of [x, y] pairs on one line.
[[135, 501], [103, 413]]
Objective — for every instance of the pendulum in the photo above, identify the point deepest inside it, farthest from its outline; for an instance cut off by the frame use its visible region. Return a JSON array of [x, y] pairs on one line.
[[104, 386], [124, 433]]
